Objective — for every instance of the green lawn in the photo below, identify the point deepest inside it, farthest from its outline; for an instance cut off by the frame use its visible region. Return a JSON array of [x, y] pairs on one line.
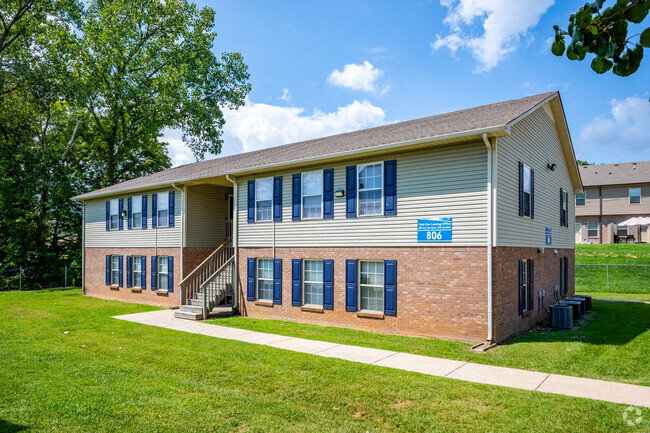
[[644, 297], [612, 345], [110, 375], [591, 274]]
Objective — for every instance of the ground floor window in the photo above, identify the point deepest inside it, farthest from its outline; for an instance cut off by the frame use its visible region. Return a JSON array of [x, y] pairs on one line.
[[564, 280], [163, 273], [265, 279], [621, 230], [115, 270], [137, 271], [312, 282], [526, 289], [371, 285], [578, 228], [592, 230]]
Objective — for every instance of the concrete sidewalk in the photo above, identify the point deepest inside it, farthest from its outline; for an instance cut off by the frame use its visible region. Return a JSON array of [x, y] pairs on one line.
[[509, 377]]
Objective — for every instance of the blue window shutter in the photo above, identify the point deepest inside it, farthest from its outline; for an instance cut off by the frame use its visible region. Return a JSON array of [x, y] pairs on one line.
[[277, 281], [521, 188], [328, 193], [154, 210], [531, 286], [154, 276], [295, 282], [120, 208], [532, 194], [121, 265], [128, 271], [277, 198], [170, 274], [390, 187], [250, 280], [144, 271], [108, 270], [251, 201], [328, 284], [296, 197], [172, 208], [390, 287], [108, 215], [144, 211], [521, 297], [128, 214], [351, 191], [350, 285]]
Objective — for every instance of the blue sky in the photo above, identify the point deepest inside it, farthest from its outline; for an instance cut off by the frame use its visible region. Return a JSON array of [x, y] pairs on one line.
[[320, 68]]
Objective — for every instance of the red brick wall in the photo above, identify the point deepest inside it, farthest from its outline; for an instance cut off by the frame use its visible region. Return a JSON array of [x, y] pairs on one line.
[[95, 284], [193, 256], [441, 291], [505, 289]]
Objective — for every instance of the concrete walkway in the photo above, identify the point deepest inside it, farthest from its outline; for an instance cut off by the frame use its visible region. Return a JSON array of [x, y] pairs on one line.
[[509, 377]]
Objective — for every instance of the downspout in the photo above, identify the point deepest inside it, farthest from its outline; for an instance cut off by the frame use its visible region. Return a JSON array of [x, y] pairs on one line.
[[83, 246], [235, 217], [488, 145], [182, 191]]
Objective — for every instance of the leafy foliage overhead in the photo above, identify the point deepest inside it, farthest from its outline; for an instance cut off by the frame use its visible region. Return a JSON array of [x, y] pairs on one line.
[[605, 34]]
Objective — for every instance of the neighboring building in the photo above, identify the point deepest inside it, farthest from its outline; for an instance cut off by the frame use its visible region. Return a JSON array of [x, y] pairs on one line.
[[612, 194], [448, 226]]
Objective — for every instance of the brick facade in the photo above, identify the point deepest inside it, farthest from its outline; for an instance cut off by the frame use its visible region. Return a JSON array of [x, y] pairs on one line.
[[95, 277], [505, 286], [441, 291], [194, 256]]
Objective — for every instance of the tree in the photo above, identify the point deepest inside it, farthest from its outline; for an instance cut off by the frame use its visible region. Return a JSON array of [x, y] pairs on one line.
[[581, 162], [605, 34], [148, 65]]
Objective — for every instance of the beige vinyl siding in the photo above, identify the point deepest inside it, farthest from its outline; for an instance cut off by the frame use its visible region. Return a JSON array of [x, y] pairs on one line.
[[96, 235], [447, 182], [592, 203], [535, 142], [207, 208], [616, 200]]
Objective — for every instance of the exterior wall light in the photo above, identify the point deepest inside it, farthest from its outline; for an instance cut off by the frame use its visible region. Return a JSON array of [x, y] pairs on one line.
[[339, 193], [551, 166]]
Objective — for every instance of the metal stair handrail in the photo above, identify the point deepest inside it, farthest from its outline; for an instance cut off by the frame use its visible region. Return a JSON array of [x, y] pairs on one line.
[[191, 284]]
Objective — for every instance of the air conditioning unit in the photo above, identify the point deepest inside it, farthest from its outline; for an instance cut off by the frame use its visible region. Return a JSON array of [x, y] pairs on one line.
[[576, 308], [583, 304], [587, 299], [561, 316]]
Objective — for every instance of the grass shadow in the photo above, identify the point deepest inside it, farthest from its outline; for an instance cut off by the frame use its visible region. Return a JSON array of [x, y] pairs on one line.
[[9, 427]]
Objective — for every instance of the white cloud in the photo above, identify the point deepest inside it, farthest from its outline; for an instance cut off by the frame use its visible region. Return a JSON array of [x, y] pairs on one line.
[[286, 95], [622, 136], [503, 21], [357, 77], [258, 126], [179, 153]]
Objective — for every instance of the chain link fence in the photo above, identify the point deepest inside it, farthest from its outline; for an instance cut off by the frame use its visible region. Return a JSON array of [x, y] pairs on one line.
[[614, 278], [15, 279]]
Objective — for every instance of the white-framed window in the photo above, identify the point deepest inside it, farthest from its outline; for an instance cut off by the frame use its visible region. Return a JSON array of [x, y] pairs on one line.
[[312, 195], [163, 273], [592, 230], [578, 226], [635, 195], [115, 214], [115, 270], [524, 283], [528, 188], [371, 285], [163, 210], [265, 279], [621, 230], [263, 199], [136, 271], [312, 285], [643, 228], [136, 212], [371, 189], [580, 199]]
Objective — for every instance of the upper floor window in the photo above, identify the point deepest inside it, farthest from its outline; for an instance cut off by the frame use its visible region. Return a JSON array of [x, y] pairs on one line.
[[635, 195], [564, 208], [163, 210], [580, 200], [136, 212], [263, 199], [527, 191], [370, 188], [312, 195], [115, 214]]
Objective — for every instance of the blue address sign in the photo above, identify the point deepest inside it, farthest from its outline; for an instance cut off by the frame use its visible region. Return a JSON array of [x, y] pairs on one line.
[[434, 230]]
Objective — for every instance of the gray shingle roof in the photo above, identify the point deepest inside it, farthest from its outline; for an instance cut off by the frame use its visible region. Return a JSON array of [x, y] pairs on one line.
[[623, 173], [494, 116]]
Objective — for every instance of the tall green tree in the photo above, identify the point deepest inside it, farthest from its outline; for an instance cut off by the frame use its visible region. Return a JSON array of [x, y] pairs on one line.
[[605, 34]]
